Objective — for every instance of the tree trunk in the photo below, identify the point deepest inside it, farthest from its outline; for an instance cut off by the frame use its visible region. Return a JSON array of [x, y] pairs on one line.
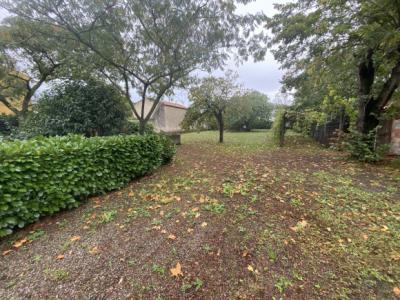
[[366, 77], [220, 122], [342, 115], [142, 126], [371, 109]]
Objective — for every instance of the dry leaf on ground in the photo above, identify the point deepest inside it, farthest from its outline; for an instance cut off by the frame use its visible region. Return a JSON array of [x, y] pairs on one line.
[[177, 271], [75, 238], [20, 243], [94, 250]]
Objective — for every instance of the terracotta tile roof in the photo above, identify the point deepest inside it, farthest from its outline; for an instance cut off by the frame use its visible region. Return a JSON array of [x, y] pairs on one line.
[[172, 104]]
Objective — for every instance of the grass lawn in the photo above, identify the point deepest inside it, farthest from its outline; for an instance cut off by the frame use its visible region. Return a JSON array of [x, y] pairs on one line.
[[242, 220]]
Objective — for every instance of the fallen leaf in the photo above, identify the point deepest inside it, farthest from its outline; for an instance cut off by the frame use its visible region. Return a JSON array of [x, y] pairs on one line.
[[299, 226], [60, 257], [20, 243], [131, 194], [177, 271], [245, 253], [395, 256], [75, 238], [384, 228], [396, 292], [172, 237], [250, 268], [204, 224], [94, 250], [189, 230], [6, 252]]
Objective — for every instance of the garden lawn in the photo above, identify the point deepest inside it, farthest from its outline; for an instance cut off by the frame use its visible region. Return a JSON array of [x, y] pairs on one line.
[[242, 220]]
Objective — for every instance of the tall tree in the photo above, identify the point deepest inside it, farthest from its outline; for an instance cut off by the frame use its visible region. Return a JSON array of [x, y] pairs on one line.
[[211, 97], [351, 44], [151, 46], [249, 110], [28, 59]]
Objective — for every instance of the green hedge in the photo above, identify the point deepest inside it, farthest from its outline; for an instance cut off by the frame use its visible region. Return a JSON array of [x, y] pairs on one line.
[[42, 176]]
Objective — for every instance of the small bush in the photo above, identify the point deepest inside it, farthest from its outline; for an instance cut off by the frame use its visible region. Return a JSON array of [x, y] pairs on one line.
[[132, 127], [169, 148], [8, 123], [91, 108], [363, 147], [42, 176]]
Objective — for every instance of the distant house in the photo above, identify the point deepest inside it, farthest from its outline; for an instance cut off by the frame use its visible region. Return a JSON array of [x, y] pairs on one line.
[[389, 133], [5, 110], [395, 137], [167, 117]]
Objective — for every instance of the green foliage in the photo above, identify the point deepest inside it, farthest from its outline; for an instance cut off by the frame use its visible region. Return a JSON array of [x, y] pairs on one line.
[[249, 111], [279, 127], [342, 57], [363, 147], [31, 53], [151, 46], [132, 127], [91, 108], [8, 123], [282, 284], [45, 175], [210, 99], [169, 149]]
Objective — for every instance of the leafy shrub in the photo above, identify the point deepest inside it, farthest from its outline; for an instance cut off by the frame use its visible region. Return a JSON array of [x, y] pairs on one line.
[[363, 147], [7, 124], [91, 108], [44, 175], [279, 127], [169, 148], [132, 127]]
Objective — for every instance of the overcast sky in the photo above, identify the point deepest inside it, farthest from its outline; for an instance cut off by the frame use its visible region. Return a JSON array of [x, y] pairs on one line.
[[262, 76]]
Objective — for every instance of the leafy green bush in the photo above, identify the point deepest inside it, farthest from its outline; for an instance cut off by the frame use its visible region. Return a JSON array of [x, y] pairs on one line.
[[132, 127], [169, 148], [279, 127], [7, 124], [363, 147], [91, 108], [42, 176]]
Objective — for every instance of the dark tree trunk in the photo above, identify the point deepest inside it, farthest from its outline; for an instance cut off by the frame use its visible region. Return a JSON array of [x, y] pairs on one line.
[[142, 126], [341, 120], [366, 77], [220, 122], [369, 108]]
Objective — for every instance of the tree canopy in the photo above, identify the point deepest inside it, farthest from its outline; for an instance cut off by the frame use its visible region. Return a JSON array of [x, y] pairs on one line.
[[31, 54], [150, 46], [250, 110], [210, 98], [350, 49]]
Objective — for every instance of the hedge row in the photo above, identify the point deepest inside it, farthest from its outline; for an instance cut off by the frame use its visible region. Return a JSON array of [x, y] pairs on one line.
[[42, 176]]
